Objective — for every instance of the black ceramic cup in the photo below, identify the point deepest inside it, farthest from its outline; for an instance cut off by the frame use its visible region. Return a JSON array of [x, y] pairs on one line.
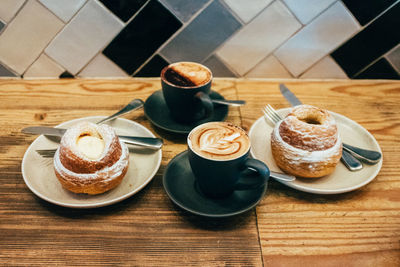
[[218, 178], [187, 102]]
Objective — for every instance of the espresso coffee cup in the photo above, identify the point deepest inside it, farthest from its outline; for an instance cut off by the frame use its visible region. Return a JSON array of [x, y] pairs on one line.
[[220, 162], [182, 84]]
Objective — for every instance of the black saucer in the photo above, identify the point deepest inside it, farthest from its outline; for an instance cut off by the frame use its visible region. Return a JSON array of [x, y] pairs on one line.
[[157, 112], [180, 185]]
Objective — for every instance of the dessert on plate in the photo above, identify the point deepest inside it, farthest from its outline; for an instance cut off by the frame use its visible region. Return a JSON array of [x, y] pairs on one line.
[[306, 143], [91, 159]]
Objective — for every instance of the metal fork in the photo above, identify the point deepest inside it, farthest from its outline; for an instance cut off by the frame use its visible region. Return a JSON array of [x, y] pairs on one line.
[[348, 160], [46, 153]]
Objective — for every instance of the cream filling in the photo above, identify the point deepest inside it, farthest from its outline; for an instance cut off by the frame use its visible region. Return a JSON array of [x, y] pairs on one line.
[[90, 146]]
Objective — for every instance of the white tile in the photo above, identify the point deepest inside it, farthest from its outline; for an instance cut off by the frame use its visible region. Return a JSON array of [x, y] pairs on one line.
[[27, 35], [86, 34], [8, 9], [269, 68], [44, 67], [317, 39], [245, 10], [64, 9], [326, 68], [259, 38], [101, 66], [306, 10]]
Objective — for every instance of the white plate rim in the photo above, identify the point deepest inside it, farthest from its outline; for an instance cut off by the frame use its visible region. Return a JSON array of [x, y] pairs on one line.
[[92, 205], [326, 191]]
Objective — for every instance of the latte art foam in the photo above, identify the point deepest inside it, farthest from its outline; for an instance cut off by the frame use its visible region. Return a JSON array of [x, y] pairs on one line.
[[219, 140]]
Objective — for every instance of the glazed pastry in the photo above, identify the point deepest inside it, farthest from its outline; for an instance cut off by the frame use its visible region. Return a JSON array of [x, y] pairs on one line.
[[91, 159], [306, 142]]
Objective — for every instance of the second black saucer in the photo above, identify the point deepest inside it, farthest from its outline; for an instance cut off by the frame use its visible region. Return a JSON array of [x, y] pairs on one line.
[[180, 185], [157, 112]]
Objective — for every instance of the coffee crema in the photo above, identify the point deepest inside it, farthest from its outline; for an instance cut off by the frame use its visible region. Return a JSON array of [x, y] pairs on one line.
[[219, 140], [187, 74]]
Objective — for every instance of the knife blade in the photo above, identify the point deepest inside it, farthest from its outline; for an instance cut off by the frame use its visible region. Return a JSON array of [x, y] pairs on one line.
[[44, 130], [348, 159], [149, 142], [289, 96]]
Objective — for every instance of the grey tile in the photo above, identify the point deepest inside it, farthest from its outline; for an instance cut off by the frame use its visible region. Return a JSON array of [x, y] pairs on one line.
[[218, 68], [8, 9], [245, 10], [87, 33], [64, 9], [25, 37], [184, 9], [394, 58], [4, 72], [306, 10], [203, 35], [259, 38], [44, 67], [317, 39]]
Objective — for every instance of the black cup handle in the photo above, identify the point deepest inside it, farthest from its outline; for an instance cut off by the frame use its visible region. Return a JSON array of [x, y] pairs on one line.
[[207, 103], [247, 182]]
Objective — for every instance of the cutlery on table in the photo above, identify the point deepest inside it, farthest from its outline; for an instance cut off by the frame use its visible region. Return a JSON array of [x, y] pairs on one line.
[[134, 104], [234, 103], [148, 142], [367, 156]]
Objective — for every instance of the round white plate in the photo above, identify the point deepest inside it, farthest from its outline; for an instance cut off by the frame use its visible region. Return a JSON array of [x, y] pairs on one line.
[[341, 180], [39, 176]]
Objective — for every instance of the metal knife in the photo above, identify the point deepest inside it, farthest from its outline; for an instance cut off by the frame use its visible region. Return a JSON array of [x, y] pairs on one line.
[[149, 142], [293, 100], [347, 159]]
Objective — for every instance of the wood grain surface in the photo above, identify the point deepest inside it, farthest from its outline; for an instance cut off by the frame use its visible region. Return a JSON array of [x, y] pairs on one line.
[[359, 228], [288, 228]]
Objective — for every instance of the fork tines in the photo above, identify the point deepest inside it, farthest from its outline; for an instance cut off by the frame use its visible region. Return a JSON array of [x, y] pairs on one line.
[[271, 114], [46, 153]]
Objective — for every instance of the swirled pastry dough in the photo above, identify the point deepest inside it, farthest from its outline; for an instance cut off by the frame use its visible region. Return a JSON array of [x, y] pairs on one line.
[[91, 159], [306, 142]]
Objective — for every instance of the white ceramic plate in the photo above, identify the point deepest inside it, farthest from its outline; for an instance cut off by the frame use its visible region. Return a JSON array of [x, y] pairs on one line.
[[341, 180], [39, 176]]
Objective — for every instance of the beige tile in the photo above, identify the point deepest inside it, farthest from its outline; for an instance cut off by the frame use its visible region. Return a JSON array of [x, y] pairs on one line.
[[259, 38], [8, 9], [101, 66], [245, 10], [269, 68], [326, 68], [394, 57], [317, 39], [27, 35], [64, 9], [92, 28], [44, 67]]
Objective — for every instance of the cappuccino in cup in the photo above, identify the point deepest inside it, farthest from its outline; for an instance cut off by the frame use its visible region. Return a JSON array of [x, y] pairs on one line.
[[219, 159], [219, 141], [187, 74], [186, 87]]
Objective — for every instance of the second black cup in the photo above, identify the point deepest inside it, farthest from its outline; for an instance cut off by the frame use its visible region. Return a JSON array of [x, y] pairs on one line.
[[220, 161], [186, 87]]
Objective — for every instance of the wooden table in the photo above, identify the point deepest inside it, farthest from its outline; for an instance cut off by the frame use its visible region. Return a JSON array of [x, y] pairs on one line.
[[288, 228]]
